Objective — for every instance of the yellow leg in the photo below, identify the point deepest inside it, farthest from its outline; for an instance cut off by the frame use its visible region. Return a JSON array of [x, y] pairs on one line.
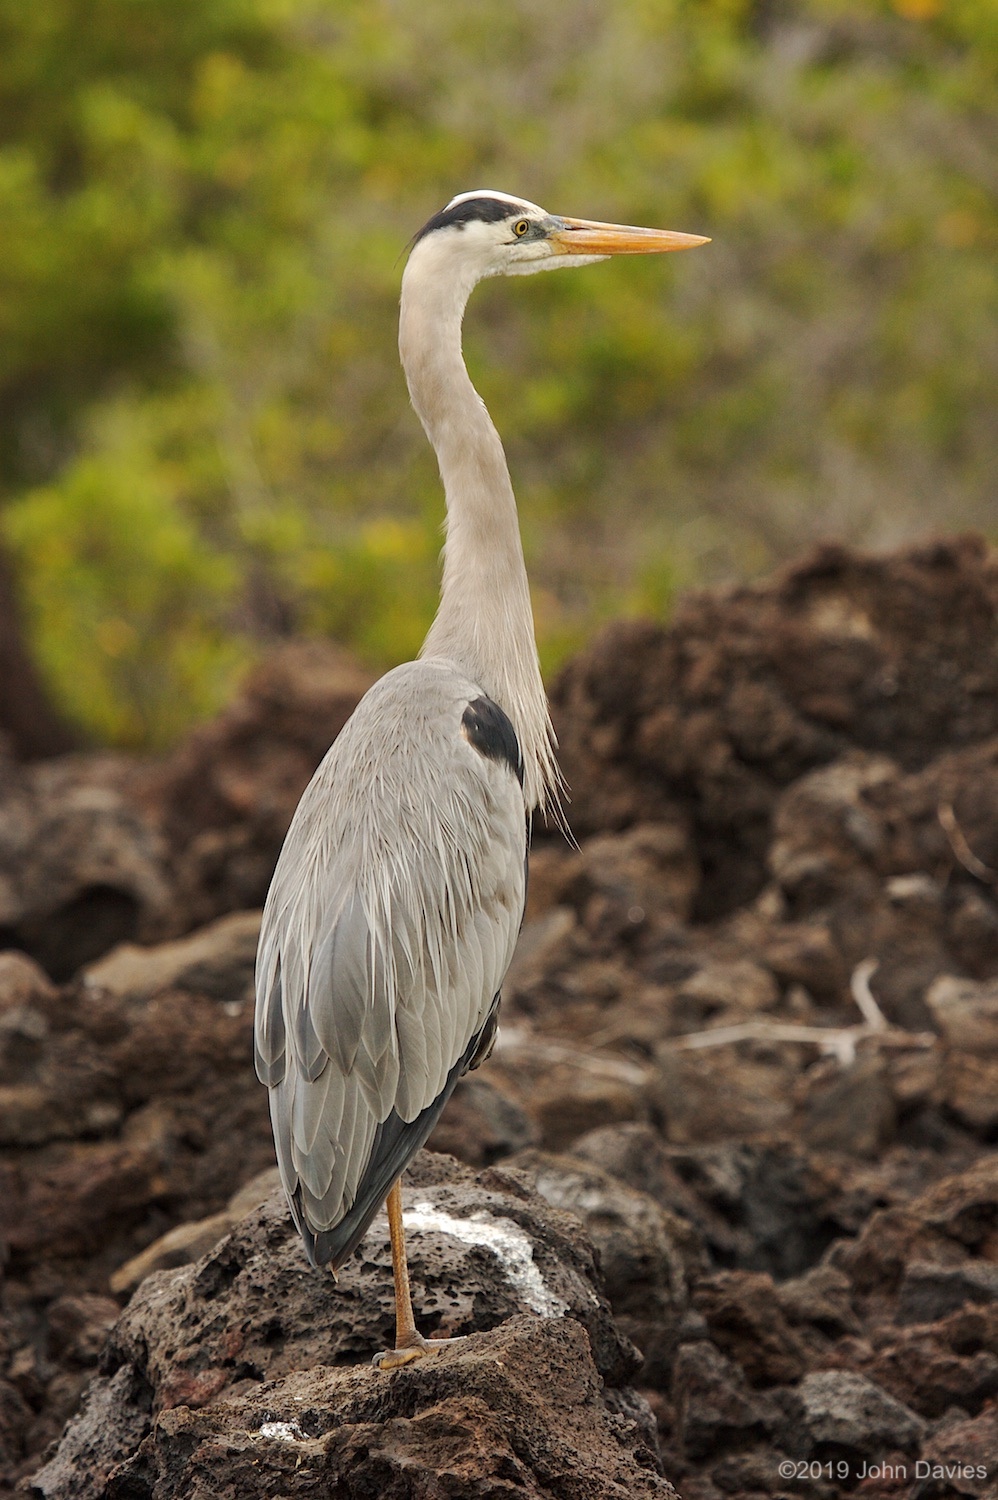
[[409, 1342]]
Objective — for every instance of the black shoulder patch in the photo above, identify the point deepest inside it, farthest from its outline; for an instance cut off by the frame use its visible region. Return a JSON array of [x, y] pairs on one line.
[[488, 210], [490, 731]]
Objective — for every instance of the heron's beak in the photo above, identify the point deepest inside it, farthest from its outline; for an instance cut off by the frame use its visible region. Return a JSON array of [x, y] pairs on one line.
[[587, 237]]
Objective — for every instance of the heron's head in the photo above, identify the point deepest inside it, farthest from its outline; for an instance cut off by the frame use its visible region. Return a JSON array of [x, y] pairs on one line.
[[484, 233]]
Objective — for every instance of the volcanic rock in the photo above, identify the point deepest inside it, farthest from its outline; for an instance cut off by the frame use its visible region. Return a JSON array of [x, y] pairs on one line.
[[715, 1408], [102, 849], [647, 1255], [743, 1314], [748, 1041], [243, 1368], [81, 866], [840, 1412], [749, 689], [224, 798]]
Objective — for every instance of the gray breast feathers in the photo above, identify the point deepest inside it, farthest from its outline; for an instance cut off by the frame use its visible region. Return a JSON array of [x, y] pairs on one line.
[[390, 923]]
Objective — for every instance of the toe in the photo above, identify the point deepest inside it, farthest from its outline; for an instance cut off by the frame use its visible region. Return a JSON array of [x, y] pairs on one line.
[[393, 1359]]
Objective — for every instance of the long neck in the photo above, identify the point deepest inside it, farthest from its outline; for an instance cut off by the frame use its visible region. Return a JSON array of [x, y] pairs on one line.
[[484, 622]]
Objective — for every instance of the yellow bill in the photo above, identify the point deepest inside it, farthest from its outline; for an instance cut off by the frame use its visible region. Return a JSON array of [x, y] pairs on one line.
[[589, 237]]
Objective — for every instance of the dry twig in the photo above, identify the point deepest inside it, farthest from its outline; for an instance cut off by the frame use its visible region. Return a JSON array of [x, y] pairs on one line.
[[840, 1041], [961, 849], [517, 1039]]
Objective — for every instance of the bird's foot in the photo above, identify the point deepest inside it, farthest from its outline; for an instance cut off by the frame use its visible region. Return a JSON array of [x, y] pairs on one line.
[[414, 1347]]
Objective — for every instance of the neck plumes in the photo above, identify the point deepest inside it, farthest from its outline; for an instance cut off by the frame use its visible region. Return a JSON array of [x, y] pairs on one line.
[[484, 623]]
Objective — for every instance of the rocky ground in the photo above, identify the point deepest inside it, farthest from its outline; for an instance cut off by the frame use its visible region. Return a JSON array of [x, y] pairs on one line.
[[741, 1117]]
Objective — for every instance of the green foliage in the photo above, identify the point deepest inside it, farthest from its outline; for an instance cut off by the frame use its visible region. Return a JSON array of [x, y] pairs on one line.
[[120, 570], [202, 205]]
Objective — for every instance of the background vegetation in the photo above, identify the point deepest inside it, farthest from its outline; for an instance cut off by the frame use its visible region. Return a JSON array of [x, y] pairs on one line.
[[204, 436]]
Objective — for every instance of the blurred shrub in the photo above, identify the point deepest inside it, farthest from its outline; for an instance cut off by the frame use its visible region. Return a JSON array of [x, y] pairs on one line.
[[205, 438]]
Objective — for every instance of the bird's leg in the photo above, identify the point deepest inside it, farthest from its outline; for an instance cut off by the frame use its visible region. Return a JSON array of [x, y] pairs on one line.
[[409, 1342]]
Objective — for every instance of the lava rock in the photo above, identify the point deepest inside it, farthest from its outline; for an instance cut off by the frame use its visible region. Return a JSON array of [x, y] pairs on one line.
[[82, 865], [746, 1321], [751, 688], [188, 1242], [944, 1226], [849, 1109], [966, 1013], [842, 1413], [513, 1412], [223, 800], [715, 1408], [481, 1124], [917, 1367], [217, 961], [959, 1458], [230, 1337], [647, 1255], [929, 1292]]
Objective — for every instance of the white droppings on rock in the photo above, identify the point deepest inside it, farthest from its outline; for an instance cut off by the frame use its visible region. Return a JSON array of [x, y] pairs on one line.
[[283, 1432], [508, 1243]]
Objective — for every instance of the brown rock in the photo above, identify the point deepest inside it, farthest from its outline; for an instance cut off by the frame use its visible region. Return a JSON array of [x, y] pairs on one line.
[[114, 1421], [743, 1313], [218, 960], [805, 953], [647, 1255], [972, 931], [206, 1337], [546, 945], [959, 1457], [80, 1193], [15, 1415], [178, 1247], [740, 988], [82, 867], [849, 1109], [566, 1090], [97, 850], [844, 1411], [225, 797], [930, 1292], [22, 983], [134, 1093], [761, 1205], [715, 1408], [749, 689], [481, 1124], [821, 1297], [258, 1280], [78, 1327], [791, 779], [637, 1155], [479, 1419], [918, 1368], [966, 1013], [944, 1226], [721, 1094], [634, 878], [969, 1088]]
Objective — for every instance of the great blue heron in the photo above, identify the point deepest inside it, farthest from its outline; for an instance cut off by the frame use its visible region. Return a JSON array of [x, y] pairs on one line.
[[397, 899]]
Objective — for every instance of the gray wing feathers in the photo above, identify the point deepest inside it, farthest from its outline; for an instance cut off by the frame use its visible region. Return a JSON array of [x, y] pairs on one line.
[[390, 924], [269, 1034]]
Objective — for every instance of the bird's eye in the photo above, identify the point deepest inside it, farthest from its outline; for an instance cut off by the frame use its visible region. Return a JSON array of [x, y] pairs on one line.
[[520, 227]]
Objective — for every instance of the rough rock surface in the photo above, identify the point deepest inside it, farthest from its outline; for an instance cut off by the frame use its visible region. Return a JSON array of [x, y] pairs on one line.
[[749, 1040], [101, 849], [748, 690], [250, 1370]]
